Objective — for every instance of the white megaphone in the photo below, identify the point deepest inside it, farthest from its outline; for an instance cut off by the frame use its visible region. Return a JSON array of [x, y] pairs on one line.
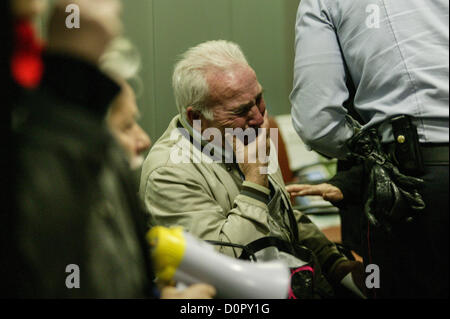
[[180, 257]]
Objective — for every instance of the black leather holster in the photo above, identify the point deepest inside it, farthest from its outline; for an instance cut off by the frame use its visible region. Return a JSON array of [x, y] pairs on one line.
[[391, 196]]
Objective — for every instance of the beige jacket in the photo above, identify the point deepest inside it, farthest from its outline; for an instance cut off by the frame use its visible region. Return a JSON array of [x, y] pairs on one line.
[[211, 200]]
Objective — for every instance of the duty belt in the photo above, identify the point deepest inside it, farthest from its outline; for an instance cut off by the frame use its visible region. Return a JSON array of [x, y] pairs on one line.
[[432, 154]]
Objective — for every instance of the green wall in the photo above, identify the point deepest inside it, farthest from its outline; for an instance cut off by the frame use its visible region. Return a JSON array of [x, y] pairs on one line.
[[163, 29]]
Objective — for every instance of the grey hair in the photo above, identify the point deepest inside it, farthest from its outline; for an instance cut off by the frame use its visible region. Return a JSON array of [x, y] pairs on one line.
[[189, 81]]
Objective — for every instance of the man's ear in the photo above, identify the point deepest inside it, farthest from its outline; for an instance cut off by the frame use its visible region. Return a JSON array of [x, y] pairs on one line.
[[192, 114]]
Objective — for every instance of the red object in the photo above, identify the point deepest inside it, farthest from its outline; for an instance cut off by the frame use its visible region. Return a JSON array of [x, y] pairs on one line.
[[26, 63]]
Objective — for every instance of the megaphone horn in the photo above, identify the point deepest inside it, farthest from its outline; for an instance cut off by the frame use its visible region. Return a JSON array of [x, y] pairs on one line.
[[181, 257]]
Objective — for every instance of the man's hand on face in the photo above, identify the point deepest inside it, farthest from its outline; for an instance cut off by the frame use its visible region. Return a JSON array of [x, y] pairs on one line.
[[99, 24], [328, 192], [255, 155]]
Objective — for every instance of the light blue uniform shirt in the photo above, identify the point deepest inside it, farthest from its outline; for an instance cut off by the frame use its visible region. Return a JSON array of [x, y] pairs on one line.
[[397, 54]]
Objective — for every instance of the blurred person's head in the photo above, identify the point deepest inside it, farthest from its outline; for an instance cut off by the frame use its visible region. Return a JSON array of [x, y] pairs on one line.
[[27, 9], [122, 120], [121, 61], [100, 23], [214, 83]]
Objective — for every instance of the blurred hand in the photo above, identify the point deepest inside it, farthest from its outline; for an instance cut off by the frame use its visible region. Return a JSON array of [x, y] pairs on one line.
[[328, 192], [196, 291], [99, 23]]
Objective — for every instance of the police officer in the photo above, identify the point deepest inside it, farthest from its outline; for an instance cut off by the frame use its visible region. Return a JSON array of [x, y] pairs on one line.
[[395, 54]]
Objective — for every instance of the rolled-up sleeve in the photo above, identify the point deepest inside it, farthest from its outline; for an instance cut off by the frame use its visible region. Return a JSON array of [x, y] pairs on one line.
[[319, 88]]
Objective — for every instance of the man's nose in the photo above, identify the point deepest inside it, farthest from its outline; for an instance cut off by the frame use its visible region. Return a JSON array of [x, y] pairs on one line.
[[256, 117]]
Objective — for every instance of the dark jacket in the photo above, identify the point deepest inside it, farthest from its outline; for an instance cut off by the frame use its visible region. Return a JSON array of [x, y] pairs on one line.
[[74, 201], [350, 180]]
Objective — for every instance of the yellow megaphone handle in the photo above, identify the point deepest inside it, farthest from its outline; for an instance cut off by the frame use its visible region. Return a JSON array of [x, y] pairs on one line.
[[168, 247]]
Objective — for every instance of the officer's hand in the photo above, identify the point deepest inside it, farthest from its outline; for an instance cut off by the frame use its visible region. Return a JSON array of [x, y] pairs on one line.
[[196, 291], [328, 192]]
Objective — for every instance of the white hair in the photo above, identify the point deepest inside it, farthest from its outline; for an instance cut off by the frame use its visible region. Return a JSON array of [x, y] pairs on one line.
[[189, 81]]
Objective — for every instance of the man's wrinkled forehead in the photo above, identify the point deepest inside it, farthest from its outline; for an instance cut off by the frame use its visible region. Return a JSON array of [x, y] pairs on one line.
[[227, 84]]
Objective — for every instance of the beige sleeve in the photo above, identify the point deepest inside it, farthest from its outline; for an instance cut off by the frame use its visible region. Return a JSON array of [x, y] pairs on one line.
[[188, 203]]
